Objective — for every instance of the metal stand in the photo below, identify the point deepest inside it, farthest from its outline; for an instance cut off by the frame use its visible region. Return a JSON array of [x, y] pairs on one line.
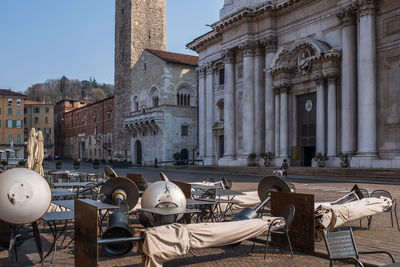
[[12, 248]]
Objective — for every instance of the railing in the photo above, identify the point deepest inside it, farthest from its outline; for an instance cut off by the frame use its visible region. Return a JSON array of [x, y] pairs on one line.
[[181, 162]]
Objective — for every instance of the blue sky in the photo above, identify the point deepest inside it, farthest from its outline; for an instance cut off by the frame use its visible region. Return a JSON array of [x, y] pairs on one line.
[[42, 39]]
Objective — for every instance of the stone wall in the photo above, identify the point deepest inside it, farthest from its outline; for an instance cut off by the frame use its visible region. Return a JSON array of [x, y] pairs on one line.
[[139, 24], [149, 75]]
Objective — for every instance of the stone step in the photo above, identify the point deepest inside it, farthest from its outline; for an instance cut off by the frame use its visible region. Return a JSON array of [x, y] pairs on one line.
[[340, 173]]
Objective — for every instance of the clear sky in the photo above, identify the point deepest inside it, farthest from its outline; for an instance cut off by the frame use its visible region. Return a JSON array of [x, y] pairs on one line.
[[42, 39]]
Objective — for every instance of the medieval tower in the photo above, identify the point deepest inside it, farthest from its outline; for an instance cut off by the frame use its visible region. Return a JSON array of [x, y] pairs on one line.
[[139, 24]]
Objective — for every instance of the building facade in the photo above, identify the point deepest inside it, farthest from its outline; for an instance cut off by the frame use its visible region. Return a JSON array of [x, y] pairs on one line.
[[161, 117], [138, 25], [12, 122], [88, 131], [60, 108], [300, 77], [40, 115]]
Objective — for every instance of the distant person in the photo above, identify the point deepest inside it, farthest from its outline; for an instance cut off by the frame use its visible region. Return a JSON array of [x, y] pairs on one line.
[[284, 168]]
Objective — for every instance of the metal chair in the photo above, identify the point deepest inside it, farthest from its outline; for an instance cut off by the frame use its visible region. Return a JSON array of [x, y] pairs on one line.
[[287, 216], [384, 193], [341, 246], [366, 195]]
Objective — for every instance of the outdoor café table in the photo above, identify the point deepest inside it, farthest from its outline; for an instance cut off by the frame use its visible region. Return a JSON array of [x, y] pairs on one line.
[[205, 187], [217, 212], [59, 174], [202, 205], [72, 184], [69, 204], [54, 217], [161, 212], [61, 193]]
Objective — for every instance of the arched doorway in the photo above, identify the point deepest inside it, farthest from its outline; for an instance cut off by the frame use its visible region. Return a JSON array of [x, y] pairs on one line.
[[184, 155], [138, 149]]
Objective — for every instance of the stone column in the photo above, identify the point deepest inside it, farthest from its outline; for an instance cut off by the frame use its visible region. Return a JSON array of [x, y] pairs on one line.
[[277, 122], [259, 104], [367, 80], [202, 110], [349, 81], [284, 125], [229, 106], [331, 131], [248, 98], [209, 158], [320, 148], [270, 49]]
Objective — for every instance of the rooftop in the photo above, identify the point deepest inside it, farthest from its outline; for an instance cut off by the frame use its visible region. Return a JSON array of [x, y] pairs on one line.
[[176, 58], [8, 92]]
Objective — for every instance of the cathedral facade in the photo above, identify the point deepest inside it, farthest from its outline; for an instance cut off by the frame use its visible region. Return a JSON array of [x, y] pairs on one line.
[[300, 78]]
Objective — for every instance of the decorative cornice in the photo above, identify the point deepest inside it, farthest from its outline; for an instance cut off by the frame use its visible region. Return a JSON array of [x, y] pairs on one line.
[[348, 16], [200, 72], [209, 68], [259, 50], [248, 48], [270, 44], [318, 77], [228, 56], [282, 86], [367, 7]]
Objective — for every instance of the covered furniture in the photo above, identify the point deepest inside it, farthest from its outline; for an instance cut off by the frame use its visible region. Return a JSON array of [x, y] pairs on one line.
[[285, 220], [341, 246], [393, 207]]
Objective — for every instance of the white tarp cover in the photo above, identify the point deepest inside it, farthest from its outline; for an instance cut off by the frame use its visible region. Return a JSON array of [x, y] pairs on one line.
[[248, 200], [351, 211], [164, 243]]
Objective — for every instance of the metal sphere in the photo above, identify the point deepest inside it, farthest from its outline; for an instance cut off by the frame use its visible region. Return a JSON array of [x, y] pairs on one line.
[[163, 194]]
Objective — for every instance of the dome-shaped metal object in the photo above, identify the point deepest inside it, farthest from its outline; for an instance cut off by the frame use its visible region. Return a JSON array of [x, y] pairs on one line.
[[271, 184], [25, 196], [162, 194], [121, 185]]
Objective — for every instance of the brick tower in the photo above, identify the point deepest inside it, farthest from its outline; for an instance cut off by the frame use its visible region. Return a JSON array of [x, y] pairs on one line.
[[139, 24]]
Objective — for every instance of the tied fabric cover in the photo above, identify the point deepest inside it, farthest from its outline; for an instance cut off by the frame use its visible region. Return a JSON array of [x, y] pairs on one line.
[[248, 200], [164, 243], [351, 211]]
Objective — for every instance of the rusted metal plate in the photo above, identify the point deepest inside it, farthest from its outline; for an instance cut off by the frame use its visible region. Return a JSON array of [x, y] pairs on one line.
[[187, 191], [86, 233], [185, 187], [302, 230], [133, 177]]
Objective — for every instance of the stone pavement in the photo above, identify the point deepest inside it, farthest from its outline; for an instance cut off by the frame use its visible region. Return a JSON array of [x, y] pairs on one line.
[[380, 236]]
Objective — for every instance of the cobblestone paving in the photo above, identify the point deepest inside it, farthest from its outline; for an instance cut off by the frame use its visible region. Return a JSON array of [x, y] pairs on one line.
[[380, 236]]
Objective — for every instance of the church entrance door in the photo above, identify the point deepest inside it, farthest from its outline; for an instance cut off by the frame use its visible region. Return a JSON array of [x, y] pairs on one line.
[[221, 146], [306, 130], [138, 146]]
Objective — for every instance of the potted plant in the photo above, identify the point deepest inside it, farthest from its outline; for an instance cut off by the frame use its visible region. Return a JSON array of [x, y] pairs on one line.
[[321, 159], [21, 163], [252, 159], [4, 163], [96, 164], [76, 164], [103, 161], [110, 162], [58, 164], [267, 158], [344, 160], [130, 164]]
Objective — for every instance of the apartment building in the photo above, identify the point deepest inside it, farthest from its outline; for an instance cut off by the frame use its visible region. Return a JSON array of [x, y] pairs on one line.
[[11, 121], [40, 115]]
